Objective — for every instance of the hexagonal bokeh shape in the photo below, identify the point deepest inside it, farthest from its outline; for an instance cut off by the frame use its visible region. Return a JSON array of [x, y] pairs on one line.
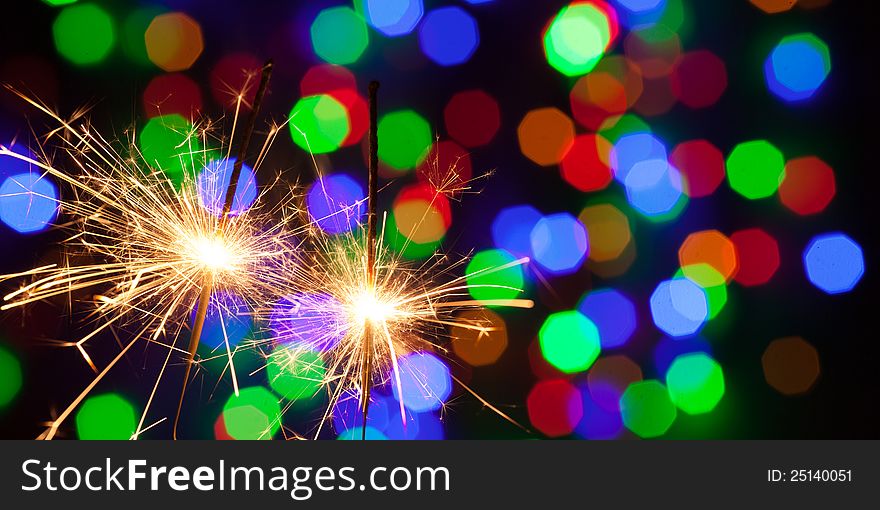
[[174, 41], [647, 409], [695, 382], [791, 365], [569, 341], [758, 255], [797, 67], [609, 230], [834, 262], [484, 338], [613, 314], [679, 307], [545, 135], [808, 186], [755, 169], [449, 36], [774, 6], [339, 35], [578, 36], [559, 243], [254, 414], [554, 407], [710, 247], [107, 416]]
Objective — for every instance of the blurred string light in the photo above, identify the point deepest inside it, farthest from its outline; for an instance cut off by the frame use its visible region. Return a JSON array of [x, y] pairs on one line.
[[679, 307], [774, 6], [254, 413], [213, 181], [569, 341], [555, 407], [227, 321], [808, 187], [545, 135], [405, 136], [609, 377], [710, 247], [711, 281], [613, 313], [335, 203], [791, 365], [755, 169], [586, 165], [669, 348], [797, 67], [11, 378], [695, 382], [482, 346], [646, 408], [84, 34], [449, 36], [559, 243], [422, 216], [235, 75], [106, 416], [579, 35], [834, 262], [392, 18], [512, 229], [319, 124], [425, 383], [170, 143], [295, 374], [612, 245], [339, 35], [172, 93], [698, 79], [472, 118], [132, 30], [486, 285], [701, 165], [597, 422], [28, 199], [758, 256], [174, 41]]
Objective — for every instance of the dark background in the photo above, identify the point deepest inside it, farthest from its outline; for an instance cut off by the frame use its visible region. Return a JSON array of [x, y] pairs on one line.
[[839, 126]]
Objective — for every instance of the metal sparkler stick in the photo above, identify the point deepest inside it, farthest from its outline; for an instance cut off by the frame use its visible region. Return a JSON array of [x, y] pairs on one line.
[[205, 296], [373, 191]]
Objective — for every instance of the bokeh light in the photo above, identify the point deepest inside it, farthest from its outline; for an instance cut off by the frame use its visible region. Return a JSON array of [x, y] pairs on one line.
[[392, 17], [808, 186], [758, 255], [791, 365], [425, 382], [609, 230], [554, 407], [421, 214], [569, 341], [579, 35], [308, 320], [670, 348], [106, 416], [84, 34], [586, 165], [493, 275], [472, 118], [711, 281], [447, 166], [449, 36], [339, 35], [319, 124], [699, 79], [349, 415], [10, 377], [233, 76], [169, 144], [613, 314], [701, 165], [28, 202], [710, 247], [294, 373], [679, 307], [755, 169], [597, 422], [174, 41], [609, 377], [228, 321], [336, 203], [545, 135], [405, 136], [774, 6], [647, 409], [172, 93], [512, 229], [654, 188], [797, 67], [213, 181], [559, 243], [480, 345], [254, 414], [695, 383], [834, 262], [634, 148]]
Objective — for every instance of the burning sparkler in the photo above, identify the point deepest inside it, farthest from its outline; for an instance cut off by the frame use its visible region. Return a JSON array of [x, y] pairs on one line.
[[160, 249], [358, 309]]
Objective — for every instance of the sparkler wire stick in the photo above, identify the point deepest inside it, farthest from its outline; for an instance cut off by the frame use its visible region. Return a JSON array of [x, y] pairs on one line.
[[205, 296], [373, 192]]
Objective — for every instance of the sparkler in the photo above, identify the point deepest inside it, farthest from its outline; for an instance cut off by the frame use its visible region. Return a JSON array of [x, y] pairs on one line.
[[159, 248], [361, 308]]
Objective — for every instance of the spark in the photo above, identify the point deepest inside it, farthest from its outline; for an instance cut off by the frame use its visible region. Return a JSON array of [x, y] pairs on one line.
[[150, 250]]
